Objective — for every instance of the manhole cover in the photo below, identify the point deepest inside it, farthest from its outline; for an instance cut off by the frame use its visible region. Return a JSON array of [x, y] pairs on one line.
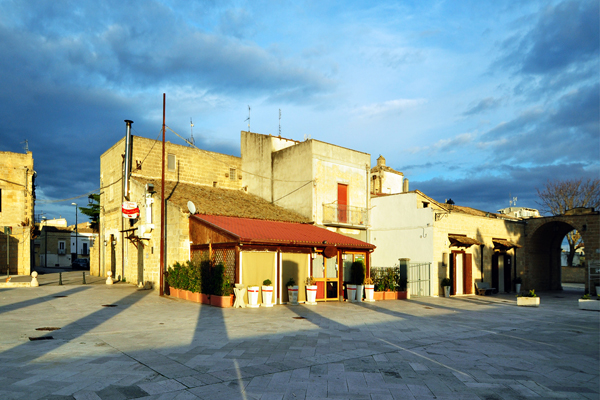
[[109, 305], [298, 317], [59, 296], [430, 308], [47, 329], [33, 339]]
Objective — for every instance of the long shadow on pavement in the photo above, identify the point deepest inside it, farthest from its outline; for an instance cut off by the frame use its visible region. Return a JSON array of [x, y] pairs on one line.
[[38, 300]]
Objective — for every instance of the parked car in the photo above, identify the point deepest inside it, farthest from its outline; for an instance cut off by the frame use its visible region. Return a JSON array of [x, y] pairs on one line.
[[80, 263]]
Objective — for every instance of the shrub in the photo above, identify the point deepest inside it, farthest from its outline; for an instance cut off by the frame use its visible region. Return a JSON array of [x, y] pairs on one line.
[[220, 282], [291, 282], [357, 272], [267, 282], [446, 282]]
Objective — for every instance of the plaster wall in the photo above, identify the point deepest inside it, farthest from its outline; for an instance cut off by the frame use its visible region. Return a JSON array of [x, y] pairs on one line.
[[400, 230]]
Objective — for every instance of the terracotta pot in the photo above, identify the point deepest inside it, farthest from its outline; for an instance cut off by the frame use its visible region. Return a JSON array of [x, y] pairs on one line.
[[195, 297], [378, 295], [204, 298], [173, 292], [402, 295], [221, 301], [389, 295]]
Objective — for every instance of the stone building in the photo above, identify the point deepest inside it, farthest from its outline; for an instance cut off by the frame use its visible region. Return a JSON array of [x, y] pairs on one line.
[[17, 195], [386, 180], [55, 246], [327, 184], [460, 243]]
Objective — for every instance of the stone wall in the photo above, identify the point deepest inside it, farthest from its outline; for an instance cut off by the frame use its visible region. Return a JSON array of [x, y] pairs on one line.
[[573, 274], [17, 208]]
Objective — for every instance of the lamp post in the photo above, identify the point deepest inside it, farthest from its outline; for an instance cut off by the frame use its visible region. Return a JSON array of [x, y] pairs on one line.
[[45, 242], [76, 244]]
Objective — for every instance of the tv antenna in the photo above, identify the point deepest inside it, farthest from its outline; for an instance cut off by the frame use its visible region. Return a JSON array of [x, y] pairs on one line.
[[26, 147], [513, 202], [191, 142], [280, 122], [248, 119]]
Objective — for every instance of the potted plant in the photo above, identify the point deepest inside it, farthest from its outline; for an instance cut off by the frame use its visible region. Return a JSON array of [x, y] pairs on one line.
[[518, 281], [369, 289], [253, 296], [267, 293], [222, 293], [292, 292], [311, 291], [446, 283], [528, 300], [358, 270], [589, 302], [206, 280]]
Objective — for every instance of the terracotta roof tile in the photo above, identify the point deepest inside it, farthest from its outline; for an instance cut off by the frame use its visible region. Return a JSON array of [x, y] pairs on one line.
[[230, 202], [252, 230]]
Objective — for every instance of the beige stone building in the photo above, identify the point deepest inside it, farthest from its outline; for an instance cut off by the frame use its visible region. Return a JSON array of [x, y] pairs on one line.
[[16, 211], [54, 246], [212, 182], [327, 184], [460, 243]]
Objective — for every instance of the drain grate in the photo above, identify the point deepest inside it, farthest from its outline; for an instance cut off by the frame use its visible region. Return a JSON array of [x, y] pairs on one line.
[[47, 329], [33, 339], [298, 317], [429, 308], [109, 305], [59, 296]]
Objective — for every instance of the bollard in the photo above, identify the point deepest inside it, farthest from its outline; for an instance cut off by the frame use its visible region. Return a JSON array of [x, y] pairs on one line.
[[60, 278], [83, 277]]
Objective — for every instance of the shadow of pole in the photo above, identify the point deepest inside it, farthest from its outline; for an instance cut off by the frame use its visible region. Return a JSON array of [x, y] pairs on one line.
[[38, 300]]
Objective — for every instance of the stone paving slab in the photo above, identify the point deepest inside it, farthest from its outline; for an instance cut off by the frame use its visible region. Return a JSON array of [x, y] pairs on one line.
[[149, 347]]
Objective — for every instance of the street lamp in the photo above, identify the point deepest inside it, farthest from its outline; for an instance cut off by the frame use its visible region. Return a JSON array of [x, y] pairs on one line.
[[44, 223], [76, 245]]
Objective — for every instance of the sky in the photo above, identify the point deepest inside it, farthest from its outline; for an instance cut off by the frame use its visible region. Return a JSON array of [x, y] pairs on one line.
[[478, 101]]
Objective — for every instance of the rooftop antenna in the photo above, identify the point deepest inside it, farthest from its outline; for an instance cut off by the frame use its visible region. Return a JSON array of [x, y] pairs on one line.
[[191, 142], [280, 122], [26, 147], [248, 119]]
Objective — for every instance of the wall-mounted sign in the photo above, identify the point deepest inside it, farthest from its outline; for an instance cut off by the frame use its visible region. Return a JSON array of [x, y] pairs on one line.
[[130, 210], [330, 251]]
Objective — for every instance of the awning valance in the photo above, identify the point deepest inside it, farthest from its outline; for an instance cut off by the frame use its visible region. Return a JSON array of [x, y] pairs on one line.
[[503, 244], [462, 241]]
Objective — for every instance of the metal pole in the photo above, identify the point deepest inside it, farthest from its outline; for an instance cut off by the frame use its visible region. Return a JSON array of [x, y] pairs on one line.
[[76, 244], [162, 207]]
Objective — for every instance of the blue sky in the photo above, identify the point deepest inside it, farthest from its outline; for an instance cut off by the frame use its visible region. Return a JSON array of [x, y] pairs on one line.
[[476, 101]]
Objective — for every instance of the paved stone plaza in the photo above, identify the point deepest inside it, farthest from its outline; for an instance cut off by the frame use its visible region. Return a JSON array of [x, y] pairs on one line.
[[148, 347]]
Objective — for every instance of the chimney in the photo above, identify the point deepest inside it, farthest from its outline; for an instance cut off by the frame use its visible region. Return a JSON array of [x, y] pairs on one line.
[[128, 156], [405, 185]]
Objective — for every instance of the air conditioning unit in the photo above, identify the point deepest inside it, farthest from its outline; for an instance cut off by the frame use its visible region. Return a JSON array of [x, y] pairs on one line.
[[61, 251]]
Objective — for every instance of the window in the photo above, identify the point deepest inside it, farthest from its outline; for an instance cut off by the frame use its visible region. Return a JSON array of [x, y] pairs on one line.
[[85, 249], [342, 201], [232, 174], [171, 162], [61, 247], [425, 204]]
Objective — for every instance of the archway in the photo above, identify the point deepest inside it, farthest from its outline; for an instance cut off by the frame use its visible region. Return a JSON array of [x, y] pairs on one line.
[[541, 266]]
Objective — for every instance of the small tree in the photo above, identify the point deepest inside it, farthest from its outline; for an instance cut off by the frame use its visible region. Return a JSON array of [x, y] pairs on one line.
[[93, 211], [558, 196]]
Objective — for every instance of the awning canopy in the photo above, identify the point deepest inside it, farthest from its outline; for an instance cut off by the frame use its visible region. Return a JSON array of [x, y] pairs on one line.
[[503, 244], [462, 241]]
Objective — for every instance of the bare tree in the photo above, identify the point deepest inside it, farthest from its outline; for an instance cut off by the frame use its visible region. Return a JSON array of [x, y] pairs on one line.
[[559, 196]]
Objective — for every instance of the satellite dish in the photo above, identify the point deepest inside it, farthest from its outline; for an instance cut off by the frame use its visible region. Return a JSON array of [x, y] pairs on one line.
[[191, 207]]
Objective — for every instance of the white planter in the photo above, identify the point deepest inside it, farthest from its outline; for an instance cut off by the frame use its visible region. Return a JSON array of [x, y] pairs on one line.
[[446, 291], [518, 287], [253, 296], [311, 295], [369, 290], [267, 296], [351, 290], [592, 305], [359, 293], [528, 301], [292, 295]]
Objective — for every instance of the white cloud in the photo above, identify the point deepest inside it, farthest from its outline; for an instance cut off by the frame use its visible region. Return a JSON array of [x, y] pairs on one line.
[[390, 107]]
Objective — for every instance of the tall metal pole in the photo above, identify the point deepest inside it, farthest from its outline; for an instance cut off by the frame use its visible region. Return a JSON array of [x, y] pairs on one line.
[[162, 207], [76, 244]]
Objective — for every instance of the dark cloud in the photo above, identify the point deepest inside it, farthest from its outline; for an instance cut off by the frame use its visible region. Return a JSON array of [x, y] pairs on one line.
[[483, 105], [492, 191]]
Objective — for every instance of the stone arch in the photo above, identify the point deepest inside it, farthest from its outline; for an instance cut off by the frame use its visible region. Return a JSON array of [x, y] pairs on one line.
[[543, 238]]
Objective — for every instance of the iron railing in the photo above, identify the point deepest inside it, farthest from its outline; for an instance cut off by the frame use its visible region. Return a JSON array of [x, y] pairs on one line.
[[341, 214]]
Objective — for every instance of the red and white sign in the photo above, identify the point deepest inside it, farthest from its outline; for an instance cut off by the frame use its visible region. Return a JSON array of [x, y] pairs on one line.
[[130, 210]]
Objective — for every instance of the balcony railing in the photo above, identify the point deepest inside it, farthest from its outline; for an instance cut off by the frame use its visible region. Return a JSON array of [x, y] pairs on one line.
[[343, 215]]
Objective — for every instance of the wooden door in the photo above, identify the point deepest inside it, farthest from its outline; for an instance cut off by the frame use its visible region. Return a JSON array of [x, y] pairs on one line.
[[495, 277], [468, 274], [507, 273], [342, 203]]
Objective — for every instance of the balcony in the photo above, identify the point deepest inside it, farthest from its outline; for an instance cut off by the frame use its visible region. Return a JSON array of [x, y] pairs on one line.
[[345, 216]]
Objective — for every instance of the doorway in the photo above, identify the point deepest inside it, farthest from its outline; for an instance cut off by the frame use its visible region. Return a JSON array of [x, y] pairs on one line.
[[140, 263], [326, 273], [113, 255], [342, 203], [461, 271]]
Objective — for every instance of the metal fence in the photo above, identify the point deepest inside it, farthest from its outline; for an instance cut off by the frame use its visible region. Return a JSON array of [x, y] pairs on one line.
[[419, 277], [343, 214]]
